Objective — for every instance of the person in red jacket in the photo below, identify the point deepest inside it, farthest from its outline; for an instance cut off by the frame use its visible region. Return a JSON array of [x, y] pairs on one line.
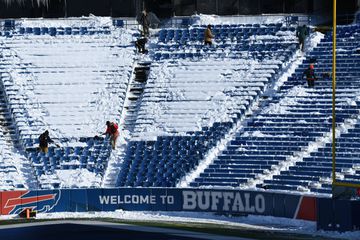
[[113, 132], [310, 75]]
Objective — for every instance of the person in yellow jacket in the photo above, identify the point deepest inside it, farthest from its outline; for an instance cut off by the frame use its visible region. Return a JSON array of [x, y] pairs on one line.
[[208, 36]]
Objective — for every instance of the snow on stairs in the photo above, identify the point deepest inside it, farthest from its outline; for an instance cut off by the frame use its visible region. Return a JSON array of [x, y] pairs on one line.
[[12, 143], [135, 93], [128, 120], [6, 121], [114, 165]]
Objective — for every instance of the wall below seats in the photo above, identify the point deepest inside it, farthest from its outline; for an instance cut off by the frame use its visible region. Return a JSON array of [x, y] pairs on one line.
[[330, 214], [160, 199], [338, 215]]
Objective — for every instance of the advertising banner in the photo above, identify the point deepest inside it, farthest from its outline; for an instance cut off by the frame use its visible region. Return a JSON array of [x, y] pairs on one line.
[[13, 202], [160, 199]]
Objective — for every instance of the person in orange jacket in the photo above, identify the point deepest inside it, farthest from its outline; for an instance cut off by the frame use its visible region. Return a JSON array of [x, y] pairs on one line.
[[208, 36]]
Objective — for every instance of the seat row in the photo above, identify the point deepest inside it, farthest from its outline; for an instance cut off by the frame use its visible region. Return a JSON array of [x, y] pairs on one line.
[[165, 161], [314, 173], [170, 157]]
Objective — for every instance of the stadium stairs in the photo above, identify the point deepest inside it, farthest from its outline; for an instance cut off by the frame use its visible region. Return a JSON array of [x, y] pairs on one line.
[[15, 169], [129, 114], [136, 89]]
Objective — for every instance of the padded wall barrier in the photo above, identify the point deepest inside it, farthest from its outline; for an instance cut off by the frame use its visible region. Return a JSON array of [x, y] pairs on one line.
[[338, 215], [160, 199]]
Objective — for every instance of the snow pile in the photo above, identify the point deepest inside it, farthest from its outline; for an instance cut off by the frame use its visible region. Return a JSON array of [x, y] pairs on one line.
[[313, 40], [78, 178], [91, 21], [284, 36], [204, 19]]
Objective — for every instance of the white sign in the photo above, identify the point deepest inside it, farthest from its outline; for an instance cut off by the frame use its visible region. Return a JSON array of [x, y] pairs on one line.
[[232, 201]]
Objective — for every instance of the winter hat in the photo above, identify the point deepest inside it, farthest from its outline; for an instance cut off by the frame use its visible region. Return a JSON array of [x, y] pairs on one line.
[[311, 66]]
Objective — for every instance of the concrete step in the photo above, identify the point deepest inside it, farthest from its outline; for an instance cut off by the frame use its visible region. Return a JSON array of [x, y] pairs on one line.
[[133, 98]]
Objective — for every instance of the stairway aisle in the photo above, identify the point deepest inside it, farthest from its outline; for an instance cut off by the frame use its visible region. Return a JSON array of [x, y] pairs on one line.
[[134, 95], [127, 122], [16, 169]]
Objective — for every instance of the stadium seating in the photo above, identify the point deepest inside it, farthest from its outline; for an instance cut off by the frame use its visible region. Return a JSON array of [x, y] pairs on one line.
[[10, 174], [54, 31], [52, 79], [92, 155], [271, 141], [204, 94], [169, 158], [231, 41]]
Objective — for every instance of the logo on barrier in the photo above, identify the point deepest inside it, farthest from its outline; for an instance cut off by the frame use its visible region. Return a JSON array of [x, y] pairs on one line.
[[14, 202], [223, 201]]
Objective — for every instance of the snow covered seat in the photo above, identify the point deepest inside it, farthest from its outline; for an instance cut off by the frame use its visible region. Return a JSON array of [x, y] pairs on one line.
[[171, 151], [173, 97], [69, 158], [353, 178], [309, 118], [187, 39], [340, 159], [53, 31], [325, 189], [82, 64], [306, 162], [215, 184], [118, 22], [11, 177], [236, 156], [113, 74], [320, 165]]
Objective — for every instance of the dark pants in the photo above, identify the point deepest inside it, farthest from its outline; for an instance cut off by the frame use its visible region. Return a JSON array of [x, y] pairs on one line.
[[208, 43], [301, 43], [311, 82], [145, 31], [140, 47]]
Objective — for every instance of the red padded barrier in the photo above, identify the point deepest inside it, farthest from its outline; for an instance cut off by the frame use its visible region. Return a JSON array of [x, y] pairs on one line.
[[307, 209]]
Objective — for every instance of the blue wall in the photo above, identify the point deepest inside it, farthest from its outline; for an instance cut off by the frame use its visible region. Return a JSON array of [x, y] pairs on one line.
[[330, 214], [160, 199], [338, 215]]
